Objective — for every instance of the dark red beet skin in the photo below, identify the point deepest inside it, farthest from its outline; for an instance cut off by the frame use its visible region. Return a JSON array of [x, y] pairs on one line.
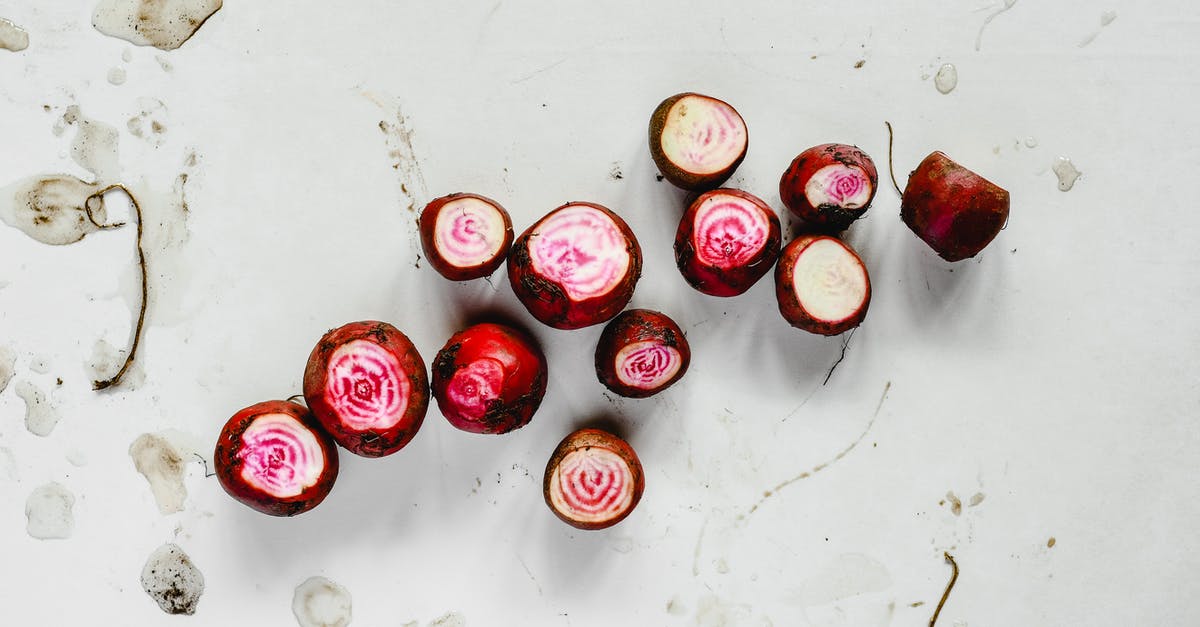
[[575, 267], [274, 457], [839, 196], [366, 384], [481, 241], [489, 378], [641, 353], [954, 210], [593, 480], [727, 240]]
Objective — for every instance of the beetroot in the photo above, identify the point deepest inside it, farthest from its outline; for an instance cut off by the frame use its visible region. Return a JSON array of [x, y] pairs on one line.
[[727, 240], [697, 141], [822, 285], [829, 186], [593, 480], [489, 378], [956, 211], [575, 267], [641, 353], [274, 457], [465, 236], [366, 384]]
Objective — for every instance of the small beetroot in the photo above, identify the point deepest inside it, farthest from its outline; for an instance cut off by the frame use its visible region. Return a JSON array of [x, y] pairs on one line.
[[697, 141], [489, 378], [465, 236], [727, 240], [822, 285], [956, 211], [274, 457], [641, 353], [575, 267], [829, 186], [366, 384], [593, 480]]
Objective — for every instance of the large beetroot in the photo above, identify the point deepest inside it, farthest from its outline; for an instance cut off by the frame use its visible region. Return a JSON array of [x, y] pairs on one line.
[[366, 384], [829, 186], [593, 480], [822, 285], [489, 378], [727, 240], [697, 141], [575, 267], [954, 210], [274, 457]]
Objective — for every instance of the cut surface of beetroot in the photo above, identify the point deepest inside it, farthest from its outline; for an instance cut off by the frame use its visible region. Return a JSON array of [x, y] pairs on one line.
[[640, 353], [726, 241], [697, 141], [489, 378], [829, 186], [273, 457], [366, 384], [575, 267], [593, 480], [465, 236], [822, 285]]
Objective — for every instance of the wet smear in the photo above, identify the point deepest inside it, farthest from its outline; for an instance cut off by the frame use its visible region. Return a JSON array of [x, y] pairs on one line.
[[49, 208], [8, 363], [1106, 18], [127, 55], [40, 416], [12, 37], [8, 465], [106, 360], [1008, 4], [150, 124], [1031, 142], [319, 602], [164, 24], [955, 503], [116, 76], [675, 607], [449, 619], [848, 575], [48, 514], [76, 457], [172, 580], [976, 499], [946, 78], [164, 467], [95, 146], [399, 136], [163, 63], [1067, 174]]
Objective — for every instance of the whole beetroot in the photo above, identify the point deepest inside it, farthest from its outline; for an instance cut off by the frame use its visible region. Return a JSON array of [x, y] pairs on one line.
[[274, 458], [593, 480], [954, 210], [829, 186], [641, 353], [727, 240], [366, 384], [489, 378], [575, 267]]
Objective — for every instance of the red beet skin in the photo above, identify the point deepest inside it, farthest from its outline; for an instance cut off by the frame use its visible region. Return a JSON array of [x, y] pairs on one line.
[[575, 267], [593, 480], [274, 457], [822, 285], [489, 378], [829, 186], [366, 384], [727, 241], [465, 236], [641, 353], [954, 210]]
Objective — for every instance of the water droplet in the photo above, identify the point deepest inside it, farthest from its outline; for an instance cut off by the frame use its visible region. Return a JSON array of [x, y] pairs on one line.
[[946, 79], [1067, 174]]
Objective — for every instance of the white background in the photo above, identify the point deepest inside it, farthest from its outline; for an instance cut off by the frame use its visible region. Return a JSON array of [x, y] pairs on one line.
[[1055, 374]]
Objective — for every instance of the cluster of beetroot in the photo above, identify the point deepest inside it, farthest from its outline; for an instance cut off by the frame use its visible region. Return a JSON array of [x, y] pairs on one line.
[[366, 387]]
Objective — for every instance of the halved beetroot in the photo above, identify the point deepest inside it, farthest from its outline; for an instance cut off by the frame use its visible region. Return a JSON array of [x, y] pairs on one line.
[[822, 285], [489, 378], [366, 383], [697, 141], [593, 480], [956, 211], [465, 236], [829, 186], [274, 457], [727, 240], [641, 353], [575, 267]]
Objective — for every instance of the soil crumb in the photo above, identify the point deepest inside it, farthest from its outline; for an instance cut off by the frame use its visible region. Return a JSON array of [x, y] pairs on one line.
[[172, 580], [319, 602], [48, 512], [12, 37], [40, 416], [449, 619], [1051, 542], [955, 503], [164, 24]]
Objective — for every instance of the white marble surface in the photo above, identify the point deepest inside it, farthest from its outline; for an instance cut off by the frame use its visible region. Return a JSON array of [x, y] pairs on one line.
[[1054, 378]]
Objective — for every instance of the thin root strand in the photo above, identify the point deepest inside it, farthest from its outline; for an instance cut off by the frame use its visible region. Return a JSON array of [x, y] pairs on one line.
[[949, 587], [891, 169], [141, 317]]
